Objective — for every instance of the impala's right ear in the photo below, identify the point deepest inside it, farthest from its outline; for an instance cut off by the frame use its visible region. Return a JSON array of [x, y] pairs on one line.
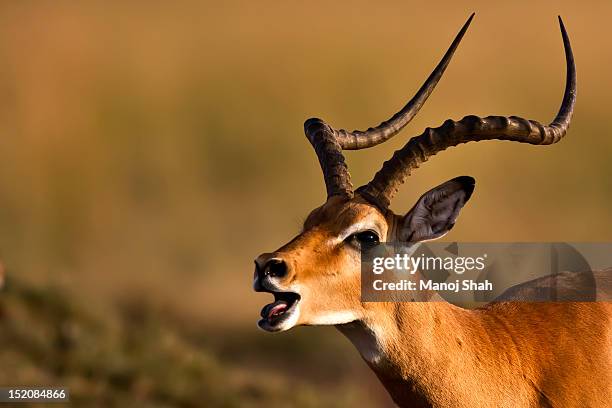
[[436, 211]]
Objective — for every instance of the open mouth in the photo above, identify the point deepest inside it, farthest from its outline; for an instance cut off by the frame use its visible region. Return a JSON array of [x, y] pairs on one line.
[[279, 311]]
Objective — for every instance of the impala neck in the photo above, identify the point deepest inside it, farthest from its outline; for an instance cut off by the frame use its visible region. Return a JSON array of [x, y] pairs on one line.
[[423, 352]]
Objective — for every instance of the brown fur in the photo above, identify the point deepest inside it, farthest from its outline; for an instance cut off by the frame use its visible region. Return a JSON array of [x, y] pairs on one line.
[[434, 354], [504, 355]]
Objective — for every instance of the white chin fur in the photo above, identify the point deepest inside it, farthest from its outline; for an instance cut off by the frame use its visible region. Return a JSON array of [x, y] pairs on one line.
[[292, 320], [333, 318], [285, 325]]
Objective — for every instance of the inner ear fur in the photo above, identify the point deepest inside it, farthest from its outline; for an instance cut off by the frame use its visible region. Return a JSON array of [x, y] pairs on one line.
[[436, 211]]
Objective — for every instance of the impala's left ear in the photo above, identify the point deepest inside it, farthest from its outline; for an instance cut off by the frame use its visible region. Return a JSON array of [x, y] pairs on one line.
[[436, 211]]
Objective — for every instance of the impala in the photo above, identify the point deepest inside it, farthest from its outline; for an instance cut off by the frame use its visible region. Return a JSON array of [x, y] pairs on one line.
[[434, 354]]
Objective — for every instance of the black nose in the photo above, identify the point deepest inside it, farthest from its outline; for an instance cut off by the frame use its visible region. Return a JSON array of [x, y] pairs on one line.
[[276, 268]]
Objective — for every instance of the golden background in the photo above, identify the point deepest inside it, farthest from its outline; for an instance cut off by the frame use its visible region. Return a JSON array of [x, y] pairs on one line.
[[149, 151]]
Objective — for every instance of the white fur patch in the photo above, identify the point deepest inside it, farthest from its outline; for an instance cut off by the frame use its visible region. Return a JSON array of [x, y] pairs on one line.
[[366, 340], [292, 320], [360, 226], [333, 318]]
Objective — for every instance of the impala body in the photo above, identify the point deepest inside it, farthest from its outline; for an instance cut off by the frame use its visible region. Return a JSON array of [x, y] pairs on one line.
[[434, 354]]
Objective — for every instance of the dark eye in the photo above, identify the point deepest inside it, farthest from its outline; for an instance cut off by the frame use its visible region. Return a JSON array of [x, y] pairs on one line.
[[366, 238]]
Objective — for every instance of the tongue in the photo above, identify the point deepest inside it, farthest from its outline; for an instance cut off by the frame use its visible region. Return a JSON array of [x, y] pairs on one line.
[[277, 308]]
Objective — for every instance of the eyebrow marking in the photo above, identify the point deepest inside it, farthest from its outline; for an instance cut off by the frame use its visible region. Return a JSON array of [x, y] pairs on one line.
[[360, 226]]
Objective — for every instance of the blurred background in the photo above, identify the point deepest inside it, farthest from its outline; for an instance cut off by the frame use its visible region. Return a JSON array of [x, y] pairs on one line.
[[150, 150]]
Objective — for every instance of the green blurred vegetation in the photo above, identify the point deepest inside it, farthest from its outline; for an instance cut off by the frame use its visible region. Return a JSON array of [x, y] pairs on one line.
[[150, 151]]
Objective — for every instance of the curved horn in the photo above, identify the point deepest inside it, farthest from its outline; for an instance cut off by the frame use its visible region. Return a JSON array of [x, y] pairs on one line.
[[335, 172], [329, 143], [386, 182], [357, 139]]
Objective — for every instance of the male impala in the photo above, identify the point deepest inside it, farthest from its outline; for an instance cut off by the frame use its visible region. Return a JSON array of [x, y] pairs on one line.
[[434, 354]]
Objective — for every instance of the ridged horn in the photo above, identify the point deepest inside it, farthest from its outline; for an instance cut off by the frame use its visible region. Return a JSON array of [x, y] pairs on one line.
[[471, 128], [329, 142]]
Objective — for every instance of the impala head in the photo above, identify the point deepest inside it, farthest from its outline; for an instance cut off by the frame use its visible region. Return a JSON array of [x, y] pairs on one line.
[[315, 278]]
